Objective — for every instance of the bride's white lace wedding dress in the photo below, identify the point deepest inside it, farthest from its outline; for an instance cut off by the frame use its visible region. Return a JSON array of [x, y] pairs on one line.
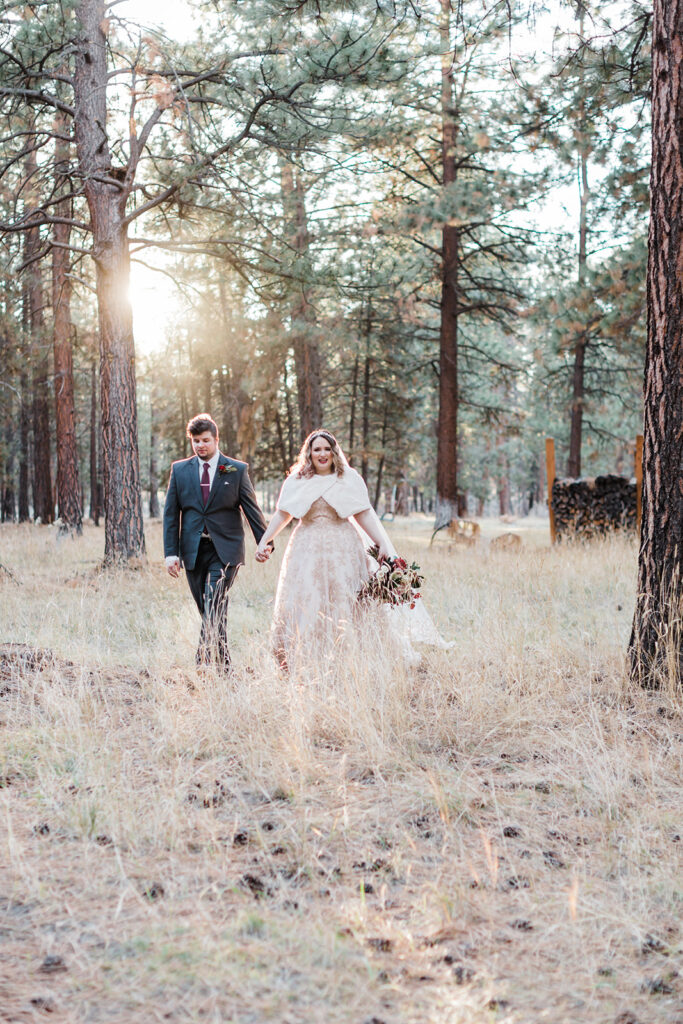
[[323, 568], [322, 571]]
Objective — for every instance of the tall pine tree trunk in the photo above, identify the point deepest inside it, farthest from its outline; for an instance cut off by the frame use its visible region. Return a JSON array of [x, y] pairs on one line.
[[106, 198], [290, 414], [576, 423], [504, 503], [228, 428], [282, 450], [153, 463], [8, 510], [402, 494], [25, 407], [34, 318], [382, 458], [304, 324], [352, 407], [95, 497], [68, 483], [447, 444], [24, 510], [365, 409], [656, 641], [43, 500], [365, 420]]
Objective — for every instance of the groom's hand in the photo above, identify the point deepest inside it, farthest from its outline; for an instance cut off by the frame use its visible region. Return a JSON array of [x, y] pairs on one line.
[[173, 567], [263, 554]]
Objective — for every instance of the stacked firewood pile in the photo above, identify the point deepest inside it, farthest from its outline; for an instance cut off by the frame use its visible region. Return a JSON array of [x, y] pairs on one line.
[[594, 506]]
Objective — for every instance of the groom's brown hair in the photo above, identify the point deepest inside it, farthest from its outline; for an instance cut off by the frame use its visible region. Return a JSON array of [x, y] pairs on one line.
[[198, 424]]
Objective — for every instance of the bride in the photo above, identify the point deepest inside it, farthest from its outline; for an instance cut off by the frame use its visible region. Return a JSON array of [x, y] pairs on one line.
[[325, 563]]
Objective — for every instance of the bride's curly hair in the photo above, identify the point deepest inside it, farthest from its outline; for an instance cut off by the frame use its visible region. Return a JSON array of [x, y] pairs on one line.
[[303, 467]]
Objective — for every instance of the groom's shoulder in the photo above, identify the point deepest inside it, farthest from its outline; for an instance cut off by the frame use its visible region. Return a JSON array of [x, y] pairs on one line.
[[181, 463]]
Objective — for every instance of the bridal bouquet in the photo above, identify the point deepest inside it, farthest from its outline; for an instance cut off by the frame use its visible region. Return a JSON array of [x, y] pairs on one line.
[[393, 582]]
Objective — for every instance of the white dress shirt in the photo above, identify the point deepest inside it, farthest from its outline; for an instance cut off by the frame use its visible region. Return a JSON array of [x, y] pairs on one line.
[[212, 463]]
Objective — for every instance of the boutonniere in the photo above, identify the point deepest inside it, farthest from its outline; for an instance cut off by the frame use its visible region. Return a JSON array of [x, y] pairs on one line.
[[223, 469]]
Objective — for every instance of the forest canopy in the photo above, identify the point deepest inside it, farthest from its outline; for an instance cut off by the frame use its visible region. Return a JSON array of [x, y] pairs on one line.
[[423, 226]]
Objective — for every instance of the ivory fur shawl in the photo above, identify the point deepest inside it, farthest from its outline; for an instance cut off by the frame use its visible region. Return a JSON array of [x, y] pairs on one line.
[[347, 494]]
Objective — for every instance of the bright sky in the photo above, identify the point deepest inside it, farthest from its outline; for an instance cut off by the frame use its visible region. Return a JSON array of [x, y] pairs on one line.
[[171, 16]]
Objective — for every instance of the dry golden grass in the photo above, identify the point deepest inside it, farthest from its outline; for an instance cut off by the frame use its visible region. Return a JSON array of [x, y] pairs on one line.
[[494, 836]]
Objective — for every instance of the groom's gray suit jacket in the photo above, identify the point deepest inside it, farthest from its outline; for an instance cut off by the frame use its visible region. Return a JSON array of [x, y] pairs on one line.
[[186, 517]]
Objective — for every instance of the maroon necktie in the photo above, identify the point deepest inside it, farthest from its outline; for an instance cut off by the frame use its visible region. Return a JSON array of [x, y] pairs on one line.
[[205, 485]]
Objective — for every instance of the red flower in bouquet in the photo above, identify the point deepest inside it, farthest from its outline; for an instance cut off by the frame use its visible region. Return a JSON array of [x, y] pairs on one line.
[[393, 582]]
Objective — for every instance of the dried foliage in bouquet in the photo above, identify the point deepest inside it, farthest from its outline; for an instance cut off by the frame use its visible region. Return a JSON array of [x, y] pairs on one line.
[[393, 582]]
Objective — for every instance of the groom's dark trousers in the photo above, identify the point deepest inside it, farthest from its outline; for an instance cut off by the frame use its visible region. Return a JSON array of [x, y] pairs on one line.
[[209, 540], [210, 583]]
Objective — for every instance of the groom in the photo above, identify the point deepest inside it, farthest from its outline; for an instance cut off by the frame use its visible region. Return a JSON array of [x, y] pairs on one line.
[[203, 531]]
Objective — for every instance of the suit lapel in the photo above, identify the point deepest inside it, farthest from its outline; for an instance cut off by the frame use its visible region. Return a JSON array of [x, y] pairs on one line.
[[193, 469], [217, 477]]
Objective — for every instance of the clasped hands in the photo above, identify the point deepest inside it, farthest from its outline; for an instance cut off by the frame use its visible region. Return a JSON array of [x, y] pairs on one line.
[[264, 553]]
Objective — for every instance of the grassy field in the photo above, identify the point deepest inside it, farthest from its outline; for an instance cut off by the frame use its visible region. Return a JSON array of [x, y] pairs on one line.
[[493, 836]]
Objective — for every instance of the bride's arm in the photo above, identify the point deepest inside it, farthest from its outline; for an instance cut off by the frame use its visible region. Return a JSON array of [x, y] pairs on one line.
[[368, 520], [277, 523]]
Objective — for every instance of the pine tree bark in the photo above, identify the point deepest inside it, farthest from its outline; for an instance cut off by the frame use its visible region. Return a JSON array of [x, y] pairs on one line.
[[95, 502], [154, 511], [68, 483], [289, 406], [7, 512], [24, 510], [382, 458], [447, 429], [43, 499], [106, 198], [656, 648], [246, 425], [26, 403], [303, 318], [503, 481], [228, 428], [576, 423], [282, 450], [34, 320], [402, 494], [352, 407], [365, 420], [192, 380], [504, 505], [8, 505], [578, 372]]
